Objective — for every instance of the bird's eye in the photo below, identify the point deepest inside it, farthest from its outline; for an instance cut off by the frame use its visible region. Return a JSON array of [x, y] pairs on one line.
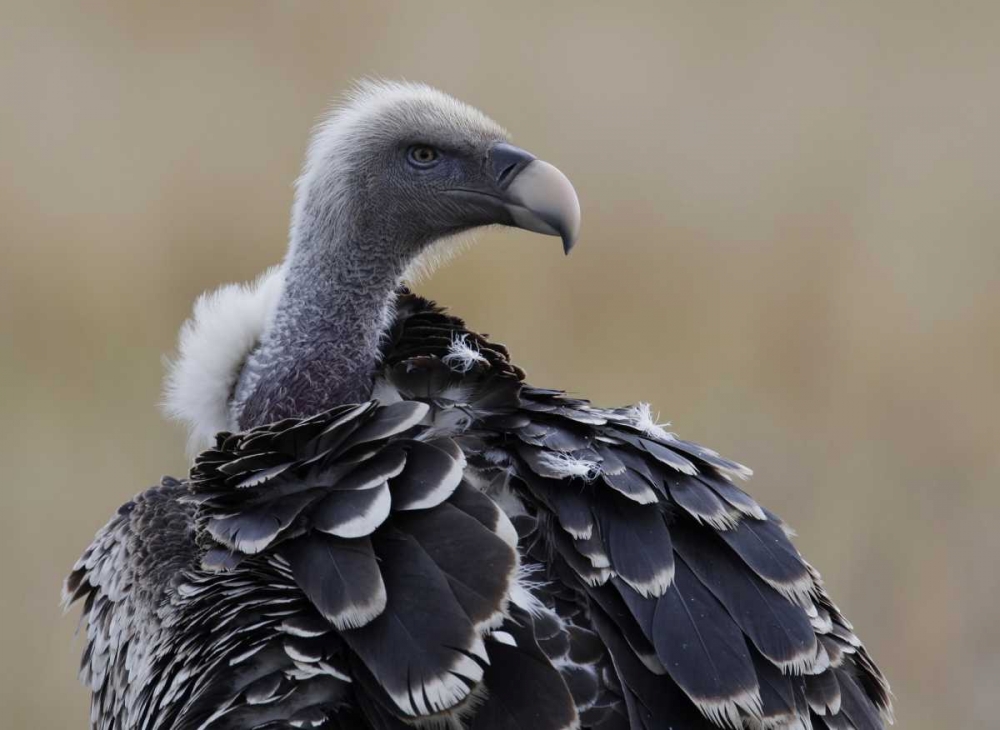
[[422, 155]]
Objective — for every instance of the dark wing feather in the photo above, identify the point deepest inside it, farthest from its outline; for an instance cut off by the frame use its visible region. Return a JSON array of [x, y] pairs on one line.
[[703, 650], [433, 470], [567, 502], [637, 543], [634, 623], [423, 648], [699, 501], [525, 691], [855, 704], [476, 562], [822, 692], [652, 701], [341, 578], [780, 630], [778, 697], [764, 547]]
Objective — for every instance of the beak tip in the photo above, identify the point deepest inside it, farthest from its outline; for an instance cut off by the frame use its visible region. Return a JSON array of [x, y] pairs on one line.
[[538, 196]]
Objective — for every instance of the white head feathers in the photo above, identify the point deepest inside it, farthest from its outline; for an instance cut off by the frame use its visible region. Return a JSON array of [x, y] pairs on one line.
[[373, 110]]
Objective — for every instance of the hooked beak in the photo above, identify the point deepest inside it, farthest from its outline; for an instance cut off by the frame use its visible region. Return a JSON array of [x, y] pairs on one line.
[[537, 195], [525, 192]]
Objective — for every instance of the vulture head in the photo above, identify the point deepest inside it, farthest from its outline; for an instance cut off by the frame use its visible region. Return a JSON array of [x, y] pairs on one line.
[[405, 165], [393, 170]]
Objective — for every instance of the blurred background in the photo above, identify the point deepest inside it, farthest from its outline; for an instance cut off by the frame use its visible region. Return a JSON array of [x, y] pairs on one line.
[[790, 248]]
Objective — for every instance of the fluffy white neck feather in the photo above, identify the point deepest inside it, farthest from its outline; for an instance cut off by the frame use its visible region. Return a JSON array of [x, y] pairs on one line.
[[225, 327], [214, 344]]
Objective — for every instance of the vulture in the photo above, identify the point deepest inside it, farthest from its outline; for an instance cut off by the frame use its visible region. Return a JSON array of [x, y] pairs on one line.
[[387, 526]]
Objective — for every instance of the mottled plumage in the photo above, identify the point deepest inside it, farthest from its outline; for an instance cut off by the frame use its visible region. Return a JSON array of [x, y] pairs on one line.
[[458, 549]]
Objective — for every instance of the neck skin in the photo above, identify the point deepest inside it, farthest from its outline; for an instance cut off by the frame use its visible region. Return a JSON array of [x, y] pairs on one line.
[[323, 345]]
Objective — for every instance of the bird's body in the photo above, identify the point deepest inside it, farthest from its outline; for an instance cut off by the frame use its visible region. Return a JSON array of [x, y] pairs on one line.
[[395, 529]]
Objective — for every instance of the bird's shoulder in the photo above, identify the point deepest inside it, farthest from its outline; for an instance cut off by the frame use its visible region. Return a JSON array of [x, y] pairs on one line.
[[423, 329], [648, 539]]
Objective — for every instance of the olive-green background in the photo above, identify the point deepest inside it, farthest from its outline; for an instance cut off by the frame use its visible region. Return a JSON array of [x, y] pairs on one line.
[[790, 248]]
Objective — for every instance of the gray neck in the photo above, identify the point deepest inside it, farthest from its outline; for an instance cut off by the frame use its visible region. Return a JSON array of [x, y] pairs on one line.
[[323, 345]]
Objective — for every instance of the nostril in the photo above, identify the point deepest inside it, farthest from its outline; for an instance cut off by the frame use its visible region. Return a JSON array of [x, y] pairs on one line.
[[505, 173], [507, 161]]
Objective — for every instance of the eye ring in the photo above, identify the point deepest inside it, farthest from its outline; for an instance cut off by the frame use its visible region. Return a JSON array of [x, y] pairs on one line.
[[423, 156]]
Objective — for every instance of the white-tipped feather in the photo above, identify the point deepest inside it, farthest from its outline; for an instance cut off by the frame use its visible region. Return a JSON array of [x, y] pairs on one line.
[[444, 691], [800, 591], [243, 656], [442, 490], [821, 707], [504, 638], [822, 661], [727, 520], [293, 630], [584, 534], [599, 560], [295, 652], [743, 473], [655, 586], [360, 614], [821, 622], [728, 712], [334, 672], [598, 577], [803, 662], [505, 530], [225, 327], [365, 523]]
